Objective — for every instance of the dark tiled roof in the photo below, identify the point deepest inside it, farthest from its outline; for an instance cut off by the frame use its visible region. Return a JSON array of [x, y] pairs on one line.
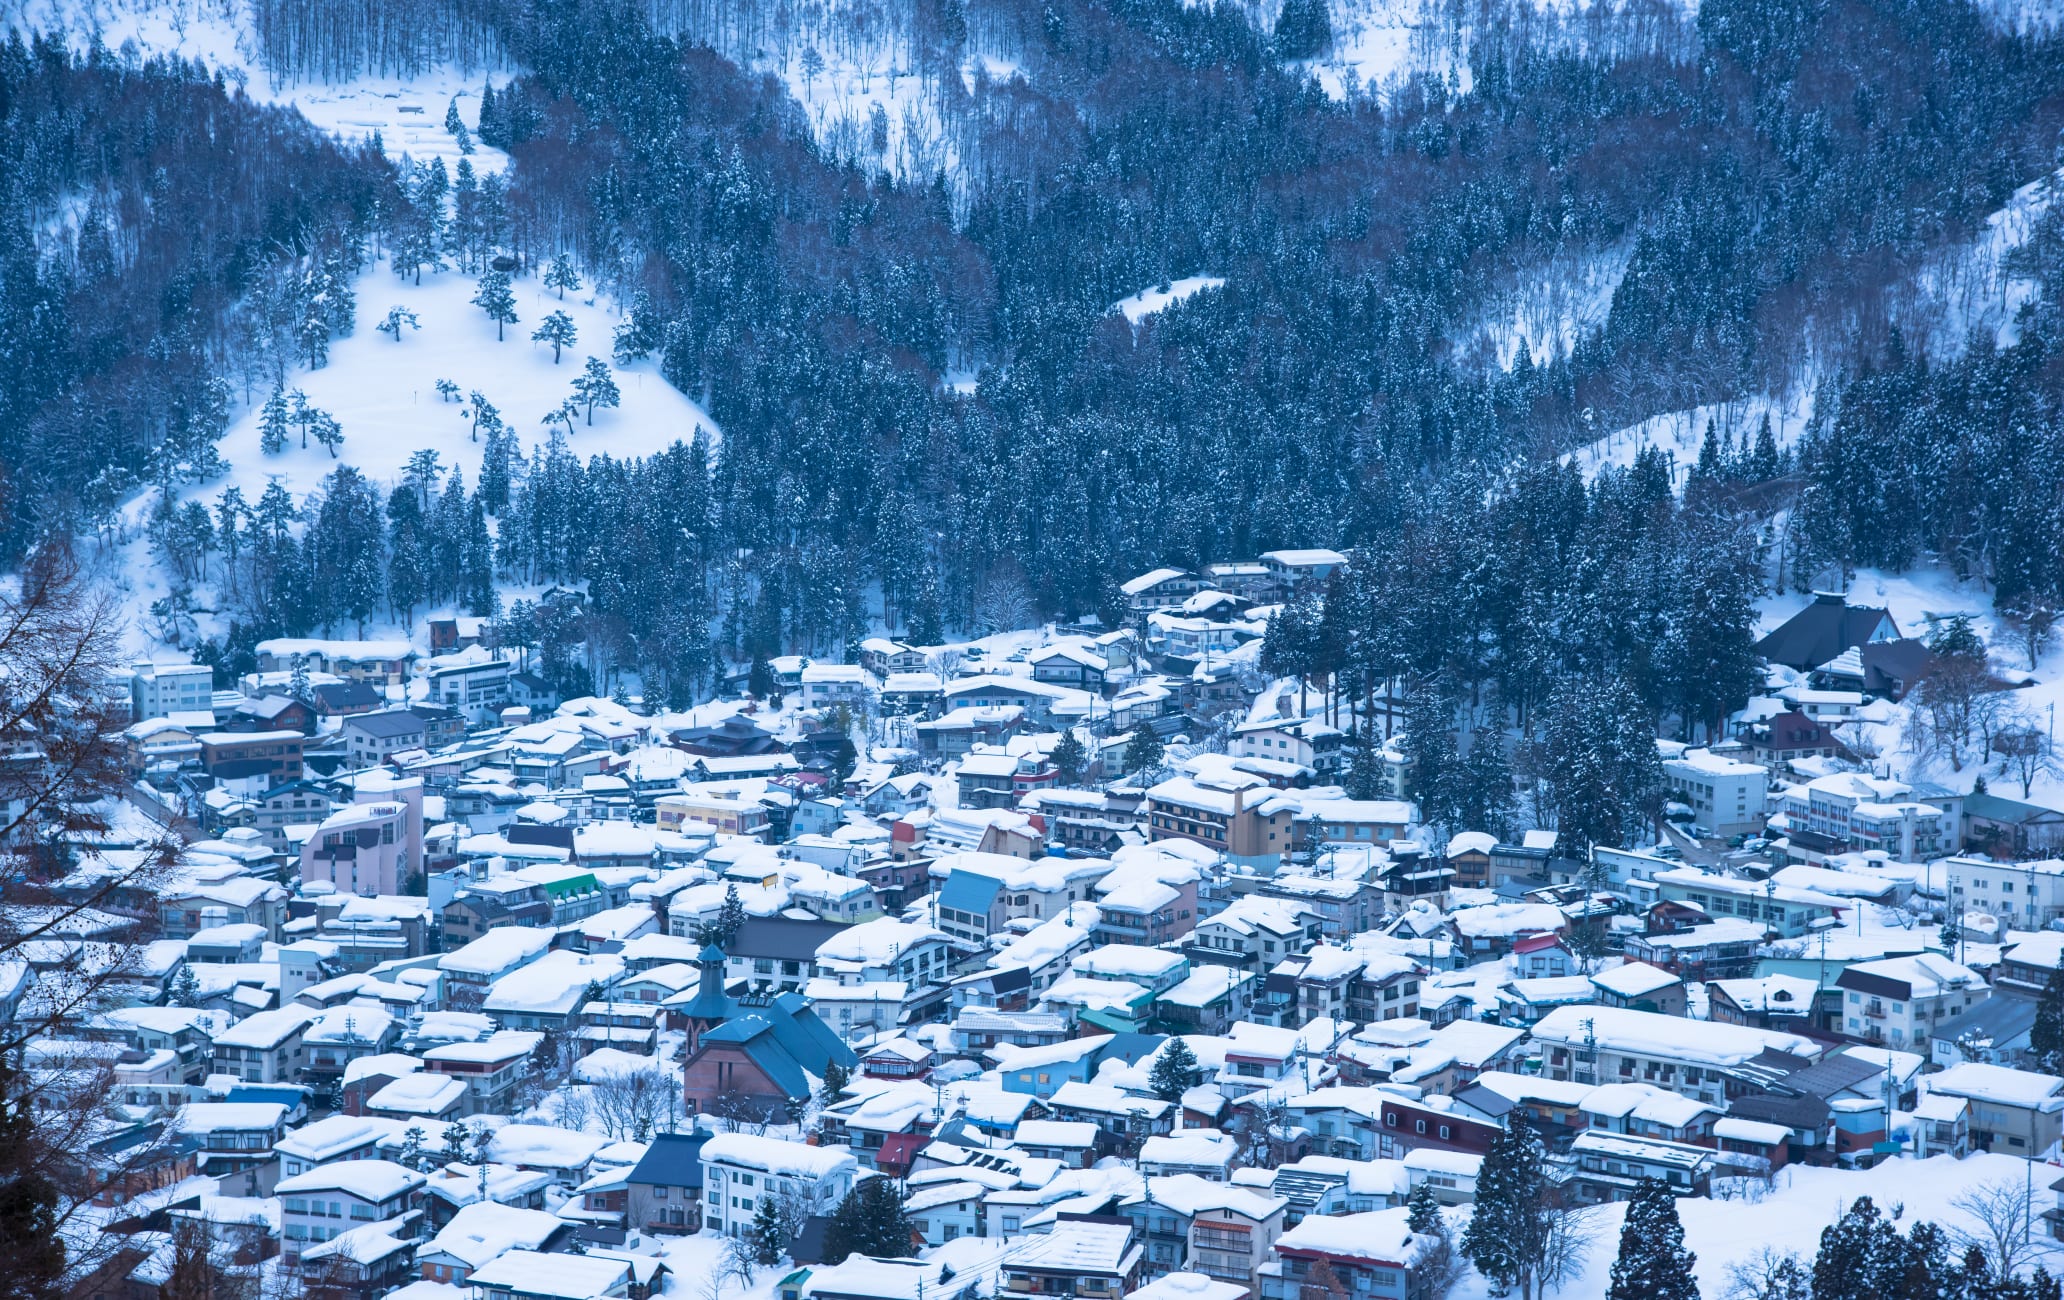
[[781, 937], [387, 725], [1821, 631], [672, 1160]]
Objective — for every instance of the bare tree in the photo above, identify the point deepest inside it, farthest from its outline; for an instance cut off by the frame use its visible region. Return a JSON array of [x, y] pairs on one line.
[[2024, 751], [1769, 1274], [629, 1104], [2005, 1213], [744, 1113], [77, 923]]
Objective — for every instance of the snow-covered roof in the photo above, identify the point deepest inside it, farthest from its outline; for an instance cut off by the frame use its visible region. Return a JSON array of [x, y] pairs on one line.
[[369, 1180], [1645, 1033], [1999, 1085], [1379, 1237], [773, 1155]]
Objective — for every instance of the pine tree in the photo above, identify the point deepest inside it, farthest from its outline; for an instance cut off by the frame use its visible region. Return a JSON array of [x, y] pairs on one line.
[[870, 1221], [497, 299], [1143, 752], [1304, 30], [273, 423], [594, 387], [2046, 1036], [29, 1237], [921, 611], [1507, 1237], [1423, 1211], [562, 275], [452, 121], [186, 989], [412, 1147], [558, 330], [1653, 1263], [730, 918], [833, 1089], [397, 318], [1175, 1071], [408, 552], [1071, 757], [768, 1237]]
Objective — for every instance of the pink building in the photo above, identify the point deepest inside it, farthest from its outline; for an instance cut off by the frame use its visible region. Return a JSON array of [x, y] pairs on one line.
[[371, 847]]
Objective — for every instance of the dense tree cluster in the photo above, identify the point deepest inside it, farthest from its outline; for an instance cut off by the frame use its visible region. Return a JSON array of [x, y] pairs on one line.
[[152, 221]]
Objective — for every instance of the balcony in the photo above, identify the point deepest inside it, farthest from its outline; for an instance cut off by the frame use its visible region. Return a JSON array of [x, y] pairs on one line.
[[1875, 1011]]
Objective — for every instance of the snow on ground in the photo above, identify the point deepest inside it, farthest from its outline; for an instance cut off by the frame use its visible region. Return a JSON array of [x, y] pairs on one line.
[[408, 113], [1548, 307], [1790, 1216], [1148, 302], [1378, 44], [1917, 601], [384, 392], [1970, 287], [1679, 433]]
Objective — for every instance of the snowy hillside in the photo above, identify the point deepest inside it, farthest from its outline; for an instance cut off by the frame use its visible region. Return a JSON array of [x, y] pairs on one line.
[[384, 392]]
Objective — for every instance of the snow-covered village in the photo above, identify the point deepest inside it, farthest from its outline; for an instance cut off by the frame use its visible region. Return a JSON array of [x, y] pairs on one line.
[[1031, 649]]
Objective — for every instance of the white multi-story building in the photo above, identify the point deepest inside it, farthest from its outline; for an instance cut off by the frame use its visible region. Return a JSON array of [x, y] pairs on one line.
[[1727, 796], [162, 690], [473, 681], [739, 1168], [1692, 1058], [1900, 1000], [1868, 812], [2029, 895]]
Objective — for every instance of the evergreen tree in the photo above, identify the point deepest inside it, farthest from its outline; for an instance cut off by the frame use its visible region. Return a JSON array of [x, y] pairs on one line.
[[1290, 647], [1765, 462], [273, 423], [1175, 1071], [1143, 752], [1603, 770], [921, 611], [412, 1147], [1509, 1229], [870, 1221], [833, 1089], [1071, 757], [1653, 1263], [408, 553], [767, 1235], [1957, 638], [497, 299], [562, 275], [558, 330], [397, 318], [1304, 30], [1423, 1212], [453, 123], [2046, 1036], [594, 386], [29, 1237], [186, 989], [722, 928]]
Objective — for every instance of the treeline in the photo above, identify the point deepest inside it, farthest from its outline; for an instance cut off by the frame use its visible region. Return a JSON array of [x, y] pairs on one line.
[[337, 40], [1955, 460], [151, 222], [816, 308]]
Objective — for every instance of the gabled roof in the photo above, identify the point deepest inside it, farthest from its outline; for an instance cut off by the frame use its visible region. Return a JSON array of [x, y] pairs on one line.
[[672, 1160], [1823, 630]]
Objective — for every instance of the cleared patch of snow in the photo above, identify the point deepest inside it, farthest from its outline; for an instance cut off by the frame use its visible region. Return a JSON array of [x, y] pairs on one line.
[[1970, 287], [1548, 307], [1679, 433], [384, 393], [1148, 302], [408, 113]]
